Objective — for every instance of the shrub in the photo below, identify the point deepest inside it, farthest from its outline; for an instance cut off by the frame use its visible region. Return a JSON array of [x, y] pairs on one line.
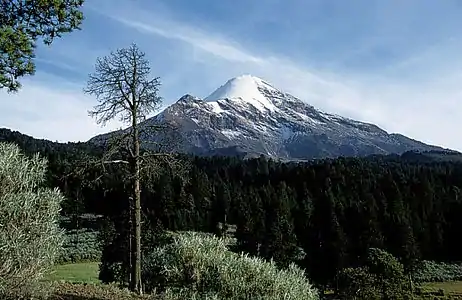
[[358, 283], [80, 245], [382, 277], [30, 238], [200, 266], [430, 271]]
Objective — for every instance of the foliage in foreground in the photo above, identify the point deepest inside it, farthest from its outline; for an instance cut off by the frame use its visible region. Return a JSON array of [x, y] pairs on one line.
[[382, 277], [195, 265], [430, 271], [30, 238], [70, 291]]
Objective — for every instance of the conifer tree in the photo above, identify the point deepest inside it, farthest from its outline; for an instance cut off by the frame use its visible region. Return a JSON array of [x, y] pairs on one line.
[[280, 242], [22, 23]]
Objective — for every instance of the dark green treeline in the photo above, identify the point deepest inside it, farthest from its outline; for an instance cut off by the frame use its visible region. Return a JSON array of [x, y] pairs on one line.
[[323, 215]]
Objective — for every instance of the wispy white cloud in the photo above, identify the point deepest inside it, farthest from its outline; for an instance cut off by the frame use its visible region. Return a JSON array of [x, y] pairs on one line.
[[215, 46], [50, 111], [57, 63], [424, 109]]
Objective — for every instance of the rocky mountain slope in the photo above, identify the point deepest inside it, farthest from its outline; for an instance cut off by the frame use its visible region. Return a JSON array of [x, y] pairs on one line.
[[247, 116]]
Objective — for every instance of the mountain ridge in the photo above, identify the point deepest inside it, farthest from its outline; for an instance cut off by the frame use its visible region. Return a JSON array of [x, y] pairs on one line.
[[247, 116], [34, 145]]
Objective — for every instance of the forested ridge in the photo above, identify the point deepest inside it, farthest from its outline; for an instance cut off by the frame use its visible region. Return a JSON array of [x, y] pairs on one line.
[[324, 215]]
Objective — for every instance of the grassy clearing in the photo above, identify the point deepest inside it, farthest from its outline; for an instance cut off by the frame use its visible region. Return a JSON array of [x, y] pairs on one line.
[[442, 290], [79, 281], [75, 273], [450, 287]]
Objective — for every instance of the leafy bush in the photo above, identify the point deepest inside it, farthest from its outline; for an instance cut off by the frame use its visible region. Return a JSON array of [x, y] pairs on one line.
[[382, 277], [30, 238], [80, 245], [200, 266], [430, 271], [358, 283]]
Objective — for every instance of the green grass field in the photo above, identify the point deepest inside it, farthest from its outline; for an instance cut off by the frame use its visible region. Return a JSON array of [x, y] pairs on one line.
[[452, 290], [80, 282], [75, 273], [453, 286]]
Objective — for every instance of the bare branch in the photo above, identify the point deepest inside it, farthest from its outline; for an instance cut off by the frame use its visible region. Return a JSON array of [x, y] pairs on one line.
[[123, 88], [120, 90]]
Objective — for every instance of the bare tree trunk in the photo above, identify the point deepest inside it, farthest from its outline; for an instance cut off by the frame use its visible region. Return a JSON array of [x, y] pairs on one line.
[[137, 198], [138, 285], [130, 243]]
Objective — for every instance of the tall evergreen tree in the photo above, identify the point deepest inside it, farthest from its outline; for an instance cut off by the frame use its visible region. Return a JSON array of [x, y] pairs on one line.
[[280, 242], [330, 253], [220, 206]]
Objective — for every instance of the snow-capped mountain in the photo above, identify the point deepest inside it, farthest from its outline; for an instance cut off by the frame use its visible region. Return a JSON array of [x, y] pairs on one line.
[[248, 116]]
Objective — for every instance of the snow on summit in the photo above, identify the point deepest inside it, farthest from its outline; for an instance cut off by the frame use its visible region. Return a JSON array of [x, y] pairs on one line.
[[249, 117], [244, 88]]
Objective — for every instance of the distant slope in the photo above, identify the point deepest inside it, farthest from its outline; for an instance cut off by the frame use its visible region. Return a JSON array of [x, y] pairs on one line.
[[31, 145]]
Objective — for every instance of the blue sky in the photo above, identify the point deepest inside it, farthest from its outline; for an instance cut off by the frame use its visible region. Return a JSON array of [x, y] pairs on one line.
[[394, 63]]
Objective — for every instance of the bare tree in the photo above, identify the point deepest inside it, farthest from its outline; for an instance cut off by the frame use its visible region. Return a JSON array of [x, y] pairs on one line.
[[124, 89]]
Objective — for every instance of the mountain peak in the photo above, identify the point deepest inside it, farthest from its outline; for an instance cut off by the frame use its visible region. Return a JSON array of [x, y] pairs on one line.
[[246, 88], [249, 115], [187, 97]]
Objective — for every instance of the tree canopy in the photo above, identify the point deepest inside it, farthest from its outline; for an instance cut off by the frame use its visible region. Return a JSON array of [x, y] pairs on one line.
[[22, 23]]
